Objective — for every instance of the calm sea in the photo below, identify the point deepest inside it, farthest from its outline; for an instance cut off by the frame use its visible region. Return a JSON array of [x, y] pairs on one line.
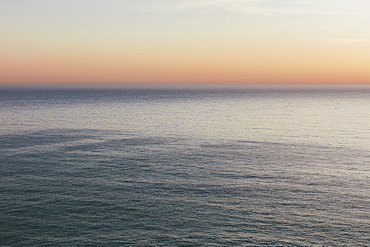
[[185, 167]]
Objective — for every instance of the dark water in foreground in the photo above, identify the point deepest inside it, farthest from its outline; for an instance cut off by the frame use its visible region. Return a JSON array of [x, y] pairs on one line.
[[252, 166]]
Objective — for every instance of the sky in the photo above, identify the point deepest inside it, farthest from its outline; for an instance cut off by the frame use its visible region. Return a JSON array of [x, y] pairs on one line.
[[184, 41]]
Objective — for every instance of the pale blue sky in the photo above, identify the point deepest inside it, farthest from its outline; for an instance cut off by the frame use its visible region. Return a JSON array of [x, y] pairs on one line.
[[326, 19]]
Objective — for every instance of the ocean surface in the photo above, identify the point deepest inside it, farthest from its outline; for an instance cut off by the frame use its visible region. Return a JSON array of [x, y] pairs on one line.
[[246, 166]]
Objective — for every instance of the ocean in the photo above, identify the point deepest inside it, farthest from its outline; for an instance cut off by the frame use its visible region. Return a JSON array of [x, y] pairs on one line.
[[225, 166]]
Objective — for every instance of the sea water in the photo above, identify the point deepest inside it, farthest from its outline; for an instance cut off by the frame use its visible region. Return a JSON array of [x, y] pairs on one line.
[[185, 166]]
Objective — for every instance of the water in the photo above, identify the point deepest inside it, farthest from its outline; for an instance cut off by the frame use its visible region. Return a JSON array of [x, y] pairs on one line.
[[185, 167]]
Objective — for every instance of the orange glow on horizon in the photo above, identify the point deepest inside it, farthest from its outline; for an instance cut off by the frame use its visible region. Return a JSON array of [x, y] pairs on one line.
[[191, 65]]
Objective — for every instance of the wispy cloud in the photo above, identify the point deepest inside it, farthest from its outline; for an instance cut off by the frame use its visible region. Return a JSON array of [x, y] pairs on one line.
[[259, 7], [338, 40], [285, 7], [172, 5]]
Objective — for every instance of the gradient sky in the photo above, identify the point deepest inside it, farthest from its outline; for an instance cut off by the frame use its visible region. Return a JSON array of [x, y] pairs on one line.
[[185, 41]]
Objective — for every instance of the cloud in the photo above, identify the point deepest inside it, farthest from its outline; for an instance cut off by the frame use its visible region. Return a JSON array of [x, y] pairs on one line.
[[168, 5], [257, 7], [338, 40], [281, 7]]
